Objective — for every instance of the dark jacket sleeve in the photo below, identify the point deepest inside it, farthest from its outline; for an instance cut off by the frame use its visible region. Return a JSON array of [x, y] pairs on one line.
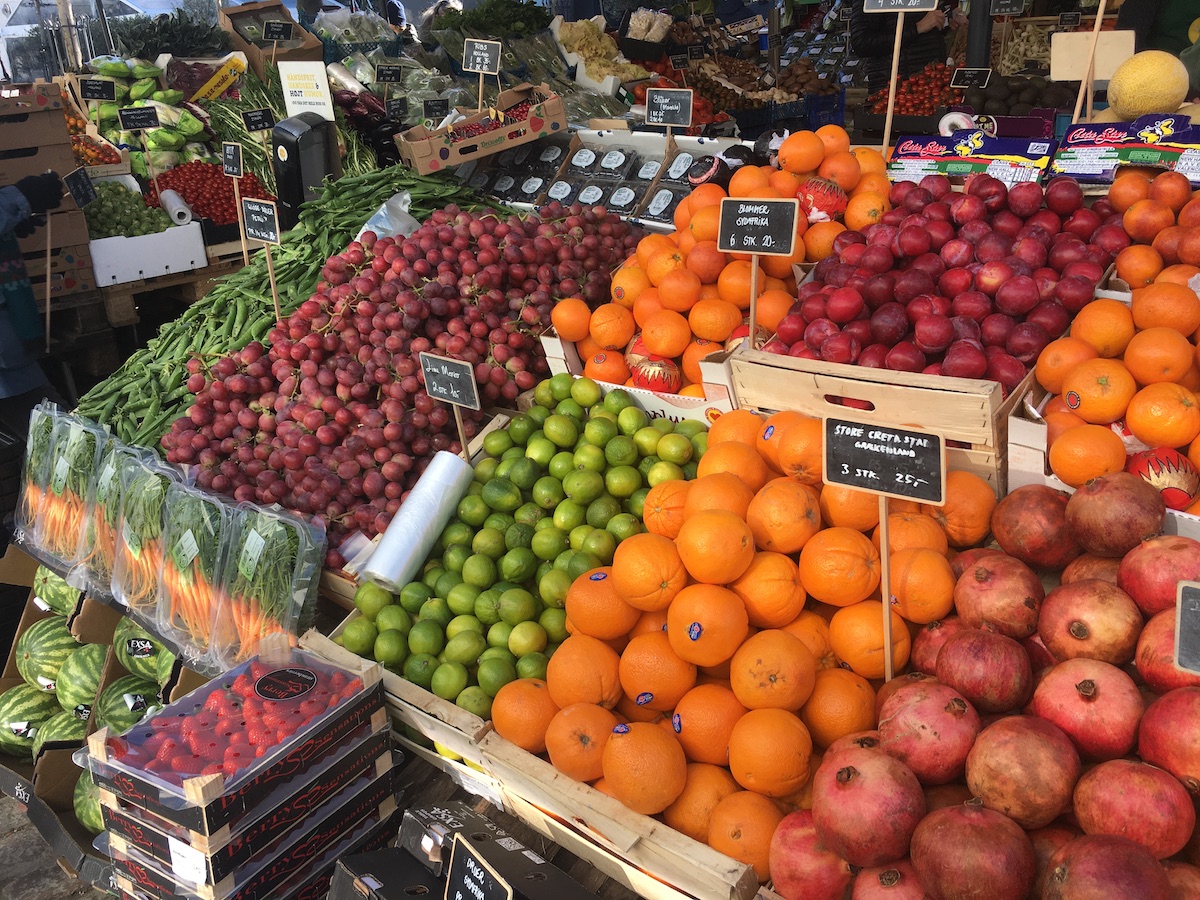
[[1138, 16], [14, 209], [872, 34]]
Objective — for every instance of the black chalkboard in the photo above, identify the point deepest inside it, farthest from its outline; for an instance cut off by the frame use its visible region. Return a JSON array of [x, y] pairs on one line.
[[695, 51], [389, 74], [262, 220], [844, 12], [669, 106], [258, 120], [470, 876], [1187, 626], [97, 89], [79, 183], [1070, 19], [1007, 7], [905, 6], [397, 108], [138, 118], [881, 459], [482, 57], [451, 380], [435, 109], [766, 227], [709, 19], [231, 159], [679, 61], [774, 40], [964, 77], [277, 31]]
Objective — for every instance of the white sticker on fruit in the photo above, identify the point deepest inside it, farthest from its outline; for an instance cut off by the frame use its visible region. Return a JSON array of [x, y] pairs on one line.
[[590, 194], [679, 166], [649, 170], [186, 549], [187, 863], [61, 468], [613, 160], [20, 729], [134, 702], [252, 549], [583, 158], [41, 604], [551, 154], [560, 190], [46, 684], [660, 202], [622, 198], [531, 185]]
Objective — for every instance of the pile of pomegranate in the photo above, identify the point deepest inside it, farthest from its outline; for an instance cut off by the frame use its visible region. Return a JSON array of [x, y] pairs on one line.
[[1043, 745]]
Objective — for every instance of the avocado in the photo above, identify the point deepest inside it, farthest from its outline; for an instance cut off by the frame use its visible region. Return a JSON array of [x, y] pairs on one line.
[[1030, 96], [1038, 82], [997, 91], [974, 98], [995, 107], [1020, 109]]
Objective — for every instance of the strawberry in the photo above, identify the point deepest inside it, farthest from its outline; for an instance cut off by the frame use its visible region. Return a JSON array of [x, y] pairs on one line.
[[167, 749], [213, 769], [243, 686], [186, 764]]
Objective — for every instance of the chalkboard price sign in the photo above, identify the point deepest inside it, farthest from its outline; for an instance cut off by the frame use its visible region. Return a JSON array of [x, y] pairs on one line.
[[669, 106], [389, 74], [482, 57], [679, 61], [709, 19], [277, 31], [138, 118], [964, 77], [79, 183], [695, 51], [895, 6], [435, 109], [451, 380], [766, 227], [471, 877], [1070, 19], [258, 120], [1187, 626], [1007, 7], [231, 159], [97, 89], [262, 220], [397, 109], [844, 13], [896, 462]]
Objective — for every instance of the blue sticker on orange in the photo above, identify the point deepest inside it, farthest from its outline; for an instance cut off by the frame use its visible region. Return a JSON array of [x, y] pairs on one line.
[[695, 630], [676, 723], [643, 698], [597, 576]]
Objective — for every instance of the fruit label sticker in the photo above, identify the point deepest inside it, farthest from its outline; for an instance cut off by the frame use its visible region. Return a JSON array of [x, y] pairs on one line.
[[188, 863], [613, 160], [550, 154], [21, 729], [286, 684], [471, 877], [671, 107], [880, 459], [139, 648], [135, 702], [482, 57], [451, 380], [531, 185], [82, 712], [41, 604], [185, 549], [965, 77], [560, 190], [97, 89], [678, 169], [252, 548], [46, 684], [766, 227], [591, 194], [1187, 626], [649, 170]]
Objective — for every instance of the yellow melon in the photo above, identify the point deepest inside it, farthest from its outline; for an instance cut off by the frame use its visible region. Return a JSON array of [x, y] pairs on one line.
[[1152, 81], [1105, 115], [1192, 111]]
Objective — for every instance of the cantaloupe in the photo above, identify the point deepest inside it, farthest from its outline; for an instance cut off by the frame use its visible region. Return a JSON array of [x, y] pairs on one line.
[[1105, 115], [1192, 111], [1152, 81]]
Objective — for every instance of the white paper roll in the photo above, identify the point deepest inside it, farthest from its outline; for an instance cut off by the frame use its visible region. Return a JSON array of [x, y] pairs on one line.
[[420, 520], [175, 207]]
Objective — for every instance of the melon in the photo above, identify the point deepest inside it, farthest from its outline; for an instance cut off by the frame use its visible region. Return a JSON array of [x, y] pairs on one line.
[[1105, 115], [1191, 110], [1152, 81], [62, 726], [87, 803], [22, 711]]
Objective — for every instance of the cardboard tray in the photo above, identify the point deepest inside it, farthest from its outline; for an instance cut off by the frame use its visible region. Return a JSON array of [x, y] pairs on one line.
[[16, 99], [259, 56]]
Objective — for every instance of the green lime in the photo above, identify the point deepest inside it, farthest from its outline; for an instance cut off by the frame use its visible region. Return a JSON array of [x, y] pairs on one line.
[[621, 451], [548, 543], [623, 526], [553, 587], [496, 442], [636, 504], [560, 386], [663, 424], [646, 463], [487, 607], [517, 605], [543, 567], [475, 488], [419, 668], [465, 647], [586, 392], [540, 414], [663, 471], [590, 458], [495, 673], [520, 428], [622, 481], [426, 636], [499, 520], [568, 514], [461, 623], [554, 622], [630, 419], [602, 509], [617, 400], [543, 523], [413, 594], [497, 653], [487, 542], [506, 466], [583, 486], [461, 597], [563, 560], [391, 648], [445, 583], [394, 618], [498, 633], [550, 650], [475, 700], [518, 564], [457, 533], [536, 436], [582, 562], [370, 598], [503, 586], [541, 452], [562, 463], [599, 432], [502, 495], [473, 510], [561, 430], [526, 471], [529, 514], [449, 680], [599, 412], [517, 535], [675, 448], [454, 557], [548, 492], [699, 445], [543, 395], [578, 533], [436, 610], [571, 409], [602, 543], [646, 439], [527, 637], [359, 636], [532, 665]]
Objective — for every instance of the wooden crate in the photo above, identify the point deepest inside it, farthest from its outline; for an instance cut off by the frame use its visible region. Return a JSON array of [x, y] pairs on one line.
[[971, 415], [120, 308]]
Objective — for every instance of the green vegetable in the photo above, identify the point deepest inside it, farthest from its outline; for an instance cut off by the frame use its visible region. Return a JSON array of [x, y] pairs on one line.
[[164, 139], [498, 17], [112, 66], [143, 69], [119, 211], [188, 125], [107, 110], [171, 98], [178, 34], [142, 88]]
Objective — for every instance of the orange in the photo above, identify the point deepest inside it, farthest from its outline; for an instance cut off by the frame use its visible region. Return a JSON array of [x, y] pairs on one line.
[[781, 266], [1167, 243], [835, 139], [784, 183], [716, 546], [627, 710], [651, 244], [740, 425], [802, 151], [705, 261], [770, 590], [1167, 305], [584, 670], [721, 490], [874, 183], [587, 347], [1180, 274], [733, 284], [1099, 390], [741, 826], [748, 178], [818, 239], [1127, 189], [1159, 354], [921, 583], [856, 634], [842, 703], [771, 307], [740, 459], [646, 305], [663, 263], [1105, 324], [841, 168], [662, 511], [522, 711], [679, 290], [683, 214], [800, 447], [706, 624], [708, 194], [1058, 358], [864, 209], [595, 607], [1164, 415], [966, 515], [705, 786], [653, 674], [703, 719], [1189, 216], [691, 390], [1145, 219], [652, 620], [771, 438], [783, 516], [571, 318], [839, 566], [1138, 265], [1172, 189], [870, 159], [607, 366], [773, 668], [1087, 452], [644, 767], [813, 630], [908, 530], [770, 751], [612, 326], [687, 242], [714, 320], [666, 333], [576, 737], [1189, 247], [697, 349], [849, 508], [627, 283], [1058, 422], [703, 224], [647, 571]]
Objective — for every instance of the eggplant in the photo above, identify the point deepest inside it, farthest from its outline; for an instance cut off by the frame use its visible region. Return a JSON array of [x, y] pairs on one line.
[[709, 169]]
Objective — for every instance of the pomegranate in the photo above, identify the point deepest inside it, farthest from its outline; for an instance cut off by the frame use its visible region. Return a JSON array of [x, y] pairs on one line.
[[1169, 735], [1046, 842], [1138, 801], [1155, 656], [1097, 866], [939, 796], [1039, 656], [1184, 879], [1091, 618], [1150, 571], [859, 740], [971, 851], [929, 640], [1090, 566], [890, 687], [990, 670], [866, 805], [1024, 767], [1095, 704], [802, 866], [965, 558], [895, 881], [1031, 524], [1111, 515], [930, 728], [1000, 593]]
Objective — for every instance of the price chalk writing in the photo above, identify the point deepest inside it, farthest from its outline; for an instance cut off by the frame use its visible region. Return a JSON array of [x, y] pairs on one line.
[[695, 51], [258, 120], [1070, 19], [138, 118], [389, 74], [766, 227], [396, 109], [965, 77], [277, 31], [1187, 626], [471, 877], [231, 159], [1007, 7], [79, 183], [669, 106], [97, 89], [679, 61], [482, 57], [451, 380], [904, 6], [435, 109], [262, 220], [897, 462]]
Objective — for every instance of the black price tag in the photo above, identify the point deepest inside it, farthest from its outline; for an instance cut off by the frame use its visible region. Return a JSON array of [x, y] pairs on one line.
[[79, 183], [97, 89], [277, 31], [767, 227], [138, 118], [262, 220], [482, 57], [679, 61], [1070, 19], [1187, 626], [904, 6], [964, 77], [435, 109], [397, 109], [773, 41], [258, 120], [709, 19], [844, 12], [1007, 7], [669, 106], [451, 380], [389, 74], [881, 459], [695, 51], [471, 876], [231, 159], [745, 26]]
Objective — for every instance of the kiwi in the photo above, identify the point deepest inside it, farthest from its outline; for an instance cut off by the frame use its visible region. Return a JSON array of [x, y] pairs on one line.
[[1038, 82], [1029, 96]]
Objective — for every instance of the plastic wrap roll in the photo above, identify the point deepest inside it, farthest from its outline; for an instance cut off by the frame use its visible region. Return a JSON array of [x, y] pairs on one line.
[[175, 207], [421, 518]]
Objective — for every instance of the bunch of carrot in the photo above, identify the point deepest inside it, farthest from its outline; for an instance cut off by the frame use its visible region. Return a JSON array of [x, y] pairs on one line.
[[64, 506], [187, 597], [139, 556]]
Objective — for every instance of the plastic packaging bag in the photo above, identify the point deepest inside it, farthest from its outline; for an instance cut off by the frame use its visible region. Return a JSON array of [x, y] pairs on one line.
[[74, 464], [142, 88], [144, 69], [392, 219], [112, 66], [164, 139], [139, 552], [98, 538], [35, 476]]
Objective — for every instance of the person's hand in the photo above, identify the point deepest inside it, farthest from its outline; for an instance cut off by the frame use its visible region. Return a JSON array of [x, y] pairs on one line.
[[29, 226], [935, 19], [42, 191], [958, 19]]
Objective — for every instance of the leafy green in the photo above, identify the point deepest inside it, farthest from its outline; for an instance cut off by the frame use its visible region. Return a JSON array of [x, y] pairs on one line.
[[499, 17], [178, 34]]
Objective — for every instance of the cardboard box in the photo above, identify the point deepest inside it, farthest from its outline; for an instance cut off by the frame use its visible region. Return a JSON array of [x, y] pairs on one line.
[[26, 98], [34, 128], [67, 228], [383, 875], [259, 56], [37, 159], [119, 260]]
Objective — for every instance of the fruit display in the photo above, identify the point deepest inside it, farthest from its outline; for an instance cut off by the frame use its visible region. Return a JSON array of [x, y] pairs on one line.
[[41, 651], [920, 94], [1016, 95], [119, 211], [23, 709], [51, 592], [125, 702], [79, 679], [702, 104], [1152, 81], [89, 151], [208, 191], [86, 802]]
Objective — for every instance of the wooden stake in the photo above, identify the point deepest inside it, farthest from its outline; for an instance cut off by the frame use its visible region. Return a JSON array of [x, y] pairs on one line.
[[237, 199], [885, 587], [274, 50], [1085, 84], [274, 286], [462, 433], [753, 301], [49, 244], [480, 109], [891, 106]]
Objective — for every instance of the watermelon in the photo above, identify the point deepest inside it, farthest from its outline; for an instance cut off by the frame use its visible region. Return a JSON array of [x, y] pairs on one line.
[[137, 649], [166, 667], [123, 703], [62, 726], [52, 593], [87, 803], [79, 679], [22, 710], [42, 650]]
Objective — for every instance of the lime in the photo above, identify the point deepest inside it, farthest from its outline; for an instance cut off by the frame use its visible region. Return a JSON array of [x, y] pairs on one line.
[[663, 471], [488, 542], [636, 504], [454, 557], [394, 618], [561, 430], [426, 636], [599, 412], [502, 495], [475, 488], [465, 647], [578, 533], [571, 409], [539, 414], [583, 562], [527, 637], [497, 653], [526, 471], [532, 665], [529, 514], [475, 700], [506, 466], [602, 509], [536, 436], [550, 650], [457, 533], [496, 442], [541, 452], [689, 428], [583, 486], [497, 635], [461, 623], [601, 543], [391, 648], [553, 587], [517, 605], [548, 543], [517, 535], [630, 419], [449, 680], [543, 523], [518, 564], [413, 594], [520, 428], [563, 560], [675, 448], [590, 458], [370, 598], [622, 481], [562, 463], [494, 674], [436, 610], [617, 400], [663, 424], [543, 567], [599, 432], [646, 463], [621, 451], [487, 607], [586, 392], [699, 445], [554, 623], [560, 386], [461, 597], [419, 668], [623, 526], [543, 395], [445, 583], [503, 586], [473, 510], [359, 636], [548, 491], [646, 439], [568, 514], [499, 520]]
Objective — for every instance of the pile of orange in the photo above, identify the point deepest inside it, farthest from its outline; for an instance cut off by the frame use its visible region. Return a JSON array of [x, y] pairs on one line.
[[1162, 216], [741, 634]]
